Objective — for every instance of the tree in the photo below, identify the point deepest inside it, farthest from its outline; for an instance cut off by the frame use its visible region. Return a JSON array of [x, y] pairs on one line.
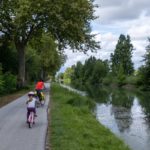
[[91, 72], [122, 56], [100, 70], [77, 77], [121, 76], [144, 71], [49, 57], [67, 21], [147, 55], [8, 56], [1, 80], [88, 68], [67, 75]]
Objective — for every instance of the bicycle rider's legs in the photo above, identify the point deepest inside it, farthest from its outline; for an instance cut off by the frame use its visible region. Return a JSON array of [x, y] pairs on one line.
[[39, 94], [30, 110]]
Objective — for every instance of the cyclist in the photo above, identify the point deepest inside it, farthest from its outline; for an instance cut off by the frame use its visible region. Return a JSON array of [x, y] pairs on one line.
[[31, 104], [39, 87]]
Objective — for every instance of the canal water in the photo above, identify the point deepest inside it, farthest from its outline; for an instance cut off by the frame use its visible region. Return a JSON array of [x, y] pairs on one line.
[[125, 113]]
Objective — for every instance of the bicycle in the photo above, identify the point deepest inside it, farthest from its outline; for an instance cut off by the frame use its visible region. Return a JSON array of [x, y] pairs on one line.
[[31, 119], [41, 98]]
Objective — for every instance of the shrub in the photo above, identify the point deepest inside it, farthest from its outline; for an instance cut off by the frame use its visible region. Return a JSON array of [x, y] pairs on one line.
[[1, 81], [131, 80], [10, 82]]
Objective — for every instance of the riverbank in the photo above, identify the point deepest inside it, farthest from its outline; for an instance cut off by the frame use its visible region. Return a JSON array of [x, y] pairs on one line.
[[72, 126]]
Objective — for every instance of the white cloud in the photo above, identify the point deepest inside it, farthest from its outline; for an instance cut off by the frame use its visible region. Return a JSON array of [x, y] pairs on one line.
[[117, 17], [139, 31], [114, 10]]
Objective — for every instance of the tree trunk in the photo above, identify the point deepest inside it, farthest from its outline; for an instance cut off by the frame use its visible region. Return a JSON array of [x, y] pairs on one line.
[[21, 68]]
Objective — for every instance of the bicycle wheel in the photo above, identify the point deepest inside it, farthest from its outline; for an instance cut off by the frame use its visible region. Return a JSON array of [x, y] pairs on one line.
[[42, 102], [43, 98], [31, 119]]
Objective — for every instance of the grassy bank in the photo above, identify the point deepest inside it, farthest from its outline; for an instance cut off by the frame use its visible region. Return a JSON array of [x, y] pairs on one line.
[[73, 127], [6, 99]]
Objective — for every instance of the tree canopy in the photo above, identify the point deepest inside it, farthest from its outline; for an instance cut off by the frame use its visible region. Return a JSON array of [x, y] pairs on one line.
[[121, 59], [67, 21], [144, 71]]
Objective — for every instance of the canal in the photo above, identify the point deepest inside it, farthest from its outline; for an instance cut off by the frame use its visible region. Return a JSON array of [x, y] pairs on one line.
[[125, 113]]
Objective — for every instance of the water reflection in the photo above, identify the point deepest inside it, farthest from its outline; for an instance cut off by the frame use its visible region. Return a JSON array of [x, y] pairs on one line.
[[121, 109], [120, 101], [99, 94], [126, 113], [144, 100]]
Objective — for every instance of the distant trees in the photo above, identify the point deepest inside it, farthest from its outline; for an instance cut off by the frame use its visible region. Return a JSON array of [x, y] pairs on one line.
[[67, 75], [118, 70], [121, 62], [43, 57], [91, 72], [144, 71], [121, 59], [77, 77]]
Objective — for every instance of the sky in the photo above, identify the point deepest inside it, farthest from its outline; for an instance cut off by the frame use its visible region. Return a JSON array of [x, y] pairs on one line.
[[115, 17]]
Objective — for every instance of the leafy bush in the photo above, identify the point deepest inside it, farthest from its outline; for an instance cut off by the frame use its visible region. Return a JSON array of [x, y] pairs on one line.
[[1, 81], [121, 77], [10, 82], [1, 84], [131, 80]]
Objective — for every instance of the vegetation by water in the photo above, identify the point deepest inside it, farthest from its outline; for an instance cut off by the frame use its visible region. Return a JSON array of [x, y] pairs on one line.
[[73, 127], [119, 71]]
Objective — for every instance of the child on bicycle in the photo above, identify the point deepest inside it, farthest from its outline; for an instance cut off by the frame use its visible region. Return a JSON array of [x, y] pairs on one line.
[[31, 104]]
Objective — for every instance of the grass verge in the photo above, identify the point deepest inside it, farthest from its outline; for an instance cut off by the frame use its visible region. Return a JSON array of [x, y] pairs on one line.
[[73, 127], [4, 100]]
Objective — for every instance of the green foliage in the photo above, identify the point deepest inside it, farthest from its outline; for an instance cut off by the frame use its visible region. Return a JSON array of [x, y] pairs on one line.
[[1, 81], [43, 57], [77, 76], [10, 82], [109, 79], [51, 58], [99, 72], [67, 22], [92, 72], [122, 56], [131, 80], [88, 68], [121, 76], [144, 71], [33, 64], [67, 75], [8, 55], [7, 82]]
